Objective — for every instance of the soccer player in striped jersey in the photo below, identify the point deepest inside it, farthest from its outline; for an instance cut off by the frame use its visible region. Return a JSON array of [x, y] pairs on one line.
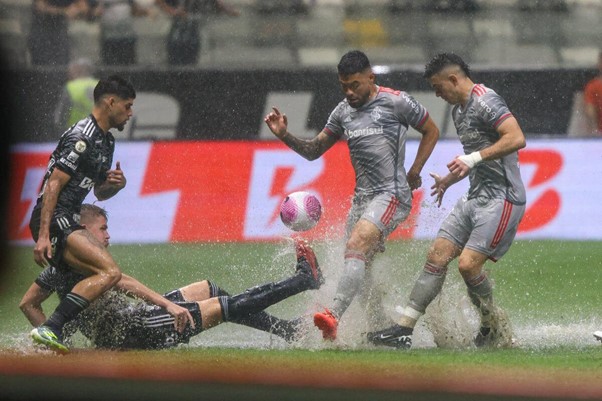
[[81, 161], [159, 321], [483, 223], [374, 120]]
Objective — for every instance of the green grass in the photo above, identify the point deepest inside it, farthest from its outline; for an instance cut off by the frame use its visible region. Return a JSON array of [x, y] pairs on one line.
[[545, 284]]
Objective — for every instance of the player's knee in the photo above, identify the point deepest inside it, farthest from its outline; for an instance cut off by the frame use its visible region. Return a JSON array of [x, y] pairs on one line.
[[113, 275], [361, 244], [438, 256], [468, 268]]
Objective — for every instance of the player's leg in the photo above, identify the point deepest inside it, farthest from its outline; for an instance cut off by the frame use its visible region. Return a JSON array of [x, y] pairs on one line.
[[363, 237], [371, 299], [496, 224], [426, 288], [308, 276], [287, 329], [206, 289], [82, 251], [379, 217], [199, 291]]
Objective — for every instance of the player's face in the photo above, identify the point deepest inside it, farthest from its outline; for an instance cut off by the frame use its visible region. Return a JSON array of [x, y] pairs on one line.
[[357, 87], [446, 87], [98, 227], [120, 111]]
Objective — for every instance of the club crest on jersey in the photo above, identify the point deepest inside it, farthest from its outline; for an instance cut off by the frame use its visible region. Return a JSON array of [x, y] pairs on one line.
[[376, 114], [80, 146]]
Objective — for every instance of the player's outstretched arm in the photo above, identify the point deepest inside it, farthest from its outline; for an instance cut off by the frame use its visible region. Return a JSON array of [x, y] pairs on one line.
[[430, 136], [135, 288], [310, 149], [114, 183]]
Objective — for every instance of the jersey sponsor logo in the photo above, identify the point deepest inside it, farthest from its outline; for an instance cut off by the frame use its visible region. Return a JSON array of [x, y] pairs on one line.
[[68, 163], [409, 100], [364, 132], [87, 183], [486, 107], [73, 157]]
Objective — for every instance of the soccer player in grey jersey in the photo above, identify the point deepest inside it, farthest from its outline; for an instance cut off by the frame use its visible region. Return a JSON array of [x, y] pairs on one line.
[[374, 120], [81, 161], [483, 223]]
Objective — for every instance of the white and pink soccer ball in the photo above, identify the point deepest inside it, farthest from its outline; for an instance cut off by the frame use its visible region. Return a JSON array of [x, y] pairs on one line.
[[300, 211]]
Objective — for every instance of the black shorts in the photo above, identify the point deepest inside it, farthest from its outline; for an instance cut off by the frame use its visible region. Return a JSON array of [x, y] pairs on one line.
[[61, 225], [148, 326]]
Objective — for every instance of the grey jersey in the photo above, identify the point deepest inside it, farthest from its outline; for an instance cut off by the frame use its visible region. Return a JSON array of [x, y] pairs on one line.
[[376, 135], [476, 124]]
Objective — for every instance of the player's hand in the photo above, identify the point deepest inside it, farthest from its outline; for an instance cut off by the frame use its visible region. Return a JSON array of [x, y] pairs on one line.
[[439, 188], [414, 179], [277, 122], [458, 168], [42, 252], [116, 178], [181, 317]]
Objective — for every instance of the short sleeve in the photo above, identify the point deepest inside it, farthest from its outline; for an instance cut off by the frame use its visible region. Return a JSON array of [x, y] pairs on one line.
[[410, 110], [334, 126], [492, 109], [73, 151]]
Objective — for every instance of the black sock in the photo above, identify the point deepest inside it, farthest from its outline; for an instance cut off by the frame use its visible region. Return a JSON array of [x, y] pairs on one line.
[[67, 309], [269, 323], [258, 298]]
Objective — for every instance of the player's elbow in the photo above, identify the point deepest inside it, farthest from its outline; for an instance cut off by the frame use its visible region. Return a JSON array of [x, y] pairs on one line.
[[521, 142]]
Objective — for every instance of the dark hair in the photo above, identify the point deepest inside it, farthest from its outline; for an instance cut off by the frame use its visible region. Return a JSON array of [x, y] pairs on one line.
[[442, 60], [90, 210], [114, 85], [353, 62]]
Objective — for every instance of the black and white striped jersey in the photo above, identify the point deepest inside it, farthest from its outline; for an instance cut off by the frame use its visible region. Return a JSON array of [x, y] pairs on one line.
[[84, 152]]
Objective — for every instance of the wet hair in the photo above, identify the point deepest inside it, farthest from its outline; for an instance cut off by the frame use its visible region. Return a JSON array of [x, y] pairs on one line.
[[443, 60], [353, 62], [89, 210], [114, 85]]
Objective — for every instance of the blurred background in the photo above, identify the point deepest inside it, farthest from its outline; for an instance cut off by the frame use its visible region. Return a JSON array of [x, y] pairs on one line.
[[210, 69]]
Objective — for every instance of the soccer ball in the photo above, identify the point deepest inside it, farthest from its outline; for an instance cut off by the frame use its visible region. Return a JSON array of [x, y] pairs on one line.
[[300, 211]]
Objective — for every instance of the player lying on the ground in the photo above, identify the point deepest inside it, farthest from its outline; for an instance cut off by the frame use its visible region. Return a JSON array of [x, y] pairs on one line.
[[113, 321]]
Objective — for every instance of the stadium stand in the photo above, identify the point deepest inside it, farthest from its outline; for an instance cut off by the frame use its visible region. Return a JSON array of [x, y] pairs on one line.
[[500, 32]]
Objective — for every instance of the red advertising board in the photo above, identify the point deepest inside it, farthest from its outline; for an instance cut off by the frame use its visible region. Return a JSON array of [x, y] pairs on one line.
[[231, 191]]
